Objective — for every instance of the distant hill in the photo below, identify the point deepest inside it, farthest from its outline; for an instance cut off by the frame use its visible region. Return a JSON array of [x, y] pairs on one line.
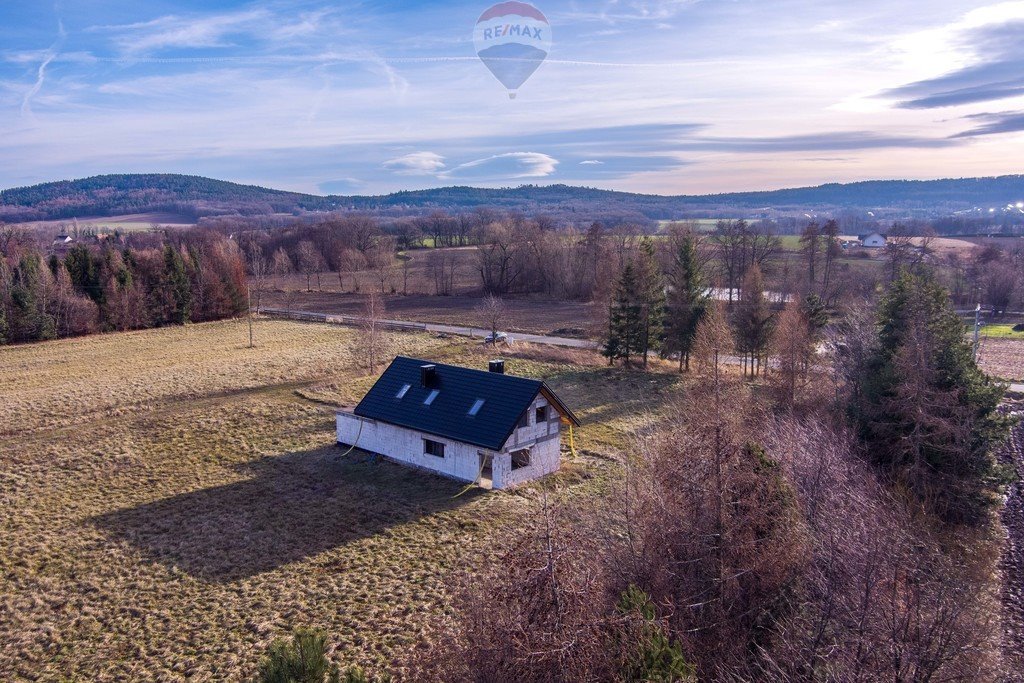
[[117, 195], [193, 196]]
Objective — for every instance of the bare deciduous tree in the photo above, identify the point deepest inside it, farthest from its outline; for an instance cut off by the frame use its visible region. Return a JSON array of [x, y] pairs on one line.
[[492, 311]]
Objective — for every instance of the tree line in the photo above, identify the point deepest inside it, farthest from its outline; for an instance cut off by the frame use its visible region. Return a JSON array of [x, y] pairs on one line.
[[196, 277]]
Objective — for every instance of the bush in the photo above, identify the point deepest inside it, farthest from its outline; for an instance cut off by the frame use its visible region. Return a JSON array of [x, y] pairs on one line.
[[304, 660]]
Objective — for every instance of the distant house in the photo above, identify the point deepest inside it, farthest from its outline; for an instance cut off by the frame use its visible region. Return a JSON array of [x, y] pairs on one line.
[[471, 425], [875, 240], [62, 243]]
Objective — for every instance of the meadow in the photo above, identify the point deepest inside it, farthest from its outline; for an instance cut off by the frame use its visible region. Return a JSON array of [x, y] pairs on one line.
[[171, 501]]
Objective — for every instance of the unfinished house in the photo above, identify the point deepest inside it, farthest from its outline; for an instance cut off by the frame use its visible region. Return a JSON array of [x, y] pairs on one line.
[[471, 425]]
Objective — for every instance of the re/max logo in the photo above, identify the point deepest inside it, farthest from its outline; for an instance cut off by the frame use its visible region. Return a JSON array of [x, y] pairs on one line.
[[512, 30]]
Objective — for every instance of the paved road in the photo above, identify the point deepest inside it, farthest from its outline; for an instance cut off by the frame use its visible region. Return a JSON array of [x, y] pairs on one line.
[[479, 333], [434, 327], [515, 336]]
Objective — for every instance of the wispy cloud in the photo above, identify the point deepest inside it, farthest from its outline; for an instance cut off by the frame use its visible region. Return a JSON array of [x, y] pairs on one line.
[[205, 31], [992, 40], [48, 57], [994, 124]]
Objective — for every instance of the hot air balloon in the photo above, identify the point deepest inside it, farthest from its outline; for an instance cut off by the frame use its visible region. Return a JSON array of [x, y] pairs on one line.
[[512, 39]]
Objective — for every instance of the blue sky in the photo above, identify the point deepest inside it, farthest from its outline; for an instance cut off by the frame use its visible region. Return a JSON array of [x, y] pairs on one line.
[[679, 96]]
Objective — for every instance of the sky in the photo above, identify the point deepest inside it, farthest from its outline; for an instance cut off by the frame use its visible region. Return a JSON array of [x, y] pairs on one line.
[[671, 97]]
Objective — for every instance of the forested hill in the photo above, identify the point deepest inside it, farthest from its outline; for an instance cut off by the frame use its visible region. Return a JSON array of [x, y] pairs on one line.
[[118, 195], [196, 197]]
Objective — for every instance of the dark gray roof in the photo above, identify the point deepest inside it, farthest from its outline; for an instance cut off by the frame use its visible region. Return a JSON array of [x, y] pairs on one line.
[[505, 399]]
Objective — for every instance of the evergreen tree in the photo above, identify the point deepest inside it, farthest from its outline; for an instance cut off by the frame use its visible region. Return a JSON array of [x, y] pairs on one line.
[[648, 655], [85, 272], [625, 318], [651, 297], [180, 286], [929, 414], [304, 660], [754, 320], [687, 300], [816, 312]]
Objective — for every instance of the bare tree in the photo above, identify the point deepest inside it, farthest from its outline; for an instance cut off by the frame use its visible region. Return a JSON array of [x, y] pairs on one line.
[[492, 311], [793, 348], [372, 338], [311, 261], [259, 271], [382, 261], [281, 263]]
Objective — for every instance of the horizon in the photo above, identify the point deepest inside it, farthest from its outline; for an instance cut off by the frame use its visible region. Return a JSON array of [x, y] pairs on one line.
[[665, 98], [529, 185]]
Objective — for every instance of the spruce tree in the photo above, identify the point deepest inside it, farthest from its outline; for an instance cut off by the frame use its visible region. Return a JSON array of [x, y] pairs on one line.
[[687, 300], [625, 318], [180, 287], [928, 413]]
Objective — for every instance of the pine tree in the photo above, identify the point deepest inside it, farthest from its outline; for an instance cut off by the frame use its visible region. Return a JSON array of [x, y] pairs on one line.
[[929, 414], [625, 319], [304, 660], [687, 300]]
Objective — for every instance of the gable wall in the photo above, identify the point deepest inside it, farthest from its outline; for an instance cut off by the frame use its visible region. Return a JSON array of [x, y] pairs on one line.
[[406, 446]]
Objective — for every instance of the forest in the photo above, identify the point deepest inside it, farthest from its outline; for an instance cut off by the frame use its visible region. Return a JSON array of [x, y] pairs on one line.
[[196, 276], [196, 197]]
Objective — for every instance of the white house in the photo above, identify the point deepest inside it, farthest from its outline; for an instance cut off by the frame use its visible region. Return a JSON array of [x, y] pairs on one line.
[[471, 425], [875, 240]]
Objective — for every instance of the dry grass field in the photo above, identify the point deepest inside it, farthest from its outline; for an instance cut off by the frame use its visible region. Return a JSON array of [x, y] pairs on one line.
[[136, 222], [1003, 357], [172, 501]]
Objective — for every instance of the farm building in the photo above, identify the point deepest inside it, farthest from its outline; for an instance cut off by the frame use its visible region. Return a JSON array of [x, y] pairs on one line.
[[472, 425], [875, 240]]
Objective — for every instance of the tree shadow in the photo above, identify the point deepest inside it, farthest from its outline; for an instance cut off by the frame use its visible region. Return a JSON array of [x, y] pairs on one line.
[[293, 507]]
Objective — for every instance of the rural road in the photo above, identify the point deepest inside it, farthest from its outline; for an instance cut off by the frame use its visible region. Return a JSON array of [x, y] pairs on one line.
[[433, 327], [473, 332]]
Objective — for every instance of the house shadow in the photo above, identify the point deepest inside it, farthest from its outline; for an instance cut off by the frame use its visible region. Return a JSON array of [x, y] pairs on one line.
[[292, 507]]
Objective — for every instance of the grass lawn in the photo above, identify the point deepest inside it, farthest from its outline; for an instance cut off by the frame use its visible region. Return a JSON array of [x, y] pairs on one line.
[[172, 501], [1001, 332]]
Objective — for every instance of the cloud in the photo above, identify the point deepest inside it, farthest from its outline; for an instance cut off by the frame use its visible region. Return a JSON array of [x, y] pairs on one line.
[[48, 57], [992, 38], [813, 142], [211, 31], [591, 162], [994, 124], [417, 163], [513, 165]]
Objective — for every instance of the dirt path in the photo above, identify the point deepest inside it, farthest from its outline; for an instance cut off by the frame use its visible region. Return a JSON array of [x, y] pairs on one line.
[[1012, 562]]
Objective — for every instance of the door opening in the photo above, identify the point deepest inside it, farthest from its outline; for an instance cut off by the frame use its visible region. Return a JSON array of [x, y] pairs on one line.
[[486, 470]]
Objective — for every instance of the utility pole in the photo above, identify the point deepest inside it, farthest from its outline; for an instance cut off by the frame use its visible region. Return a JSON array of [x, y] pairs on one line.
[[248, 293], [977, 331]]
